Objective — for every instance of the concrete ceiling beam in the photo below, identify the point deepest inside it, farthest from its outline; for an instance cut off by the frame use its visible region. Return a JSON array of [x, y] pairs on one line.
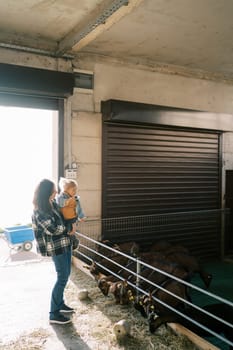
[[113, 12]]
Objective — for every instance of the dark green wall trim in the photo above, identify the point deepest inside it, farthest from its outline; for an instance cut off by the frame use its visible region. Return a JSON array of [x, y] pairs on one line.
[[61, 139], [28, 101], [35, 82], [133, 112]]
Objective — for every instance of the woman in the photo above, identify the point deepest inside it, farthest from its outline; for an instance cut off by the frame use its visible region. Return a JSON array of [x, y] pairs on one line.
[[52, 240]]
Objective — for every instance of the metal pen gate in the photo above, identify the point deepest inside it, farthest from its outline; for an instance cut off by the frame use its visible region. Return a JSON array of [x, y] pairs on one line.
[[89, 252], [185, 228]]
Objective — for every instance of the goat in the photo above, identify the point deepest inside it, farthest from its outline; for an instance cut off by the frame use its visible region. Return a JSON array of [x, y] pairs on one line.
[[110, 284], [104, 250], [148, 303], [191, 265], [153, 275], [167, 248], [219, 309], [177, 288], [160, 246], [130, 248], [167, 255], [182, 256], [120, 290], [95, 271]]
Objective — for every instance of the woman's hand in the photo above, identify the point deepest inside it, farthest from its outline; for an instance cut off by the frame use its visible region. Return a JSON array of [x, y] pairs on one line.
[[71, 233]]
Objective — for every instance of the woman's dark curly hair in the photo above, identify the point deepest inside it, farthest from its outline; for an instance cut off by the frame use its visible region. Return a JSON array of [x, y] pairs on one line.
[[41, 199]]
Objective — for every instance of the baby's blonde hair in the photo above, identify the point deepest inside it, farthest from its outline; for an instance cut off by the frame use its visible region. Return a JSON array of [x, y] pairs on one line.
[[65, 184]]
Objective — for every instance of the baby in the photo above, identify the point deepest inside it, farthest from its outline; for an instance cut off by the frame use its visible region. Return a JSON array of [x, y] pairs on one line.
[[69, 204]]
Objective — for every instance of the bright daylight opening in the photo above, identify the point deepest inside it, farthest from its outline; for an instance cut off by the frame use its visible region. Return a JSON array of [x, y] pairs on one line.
[[26, 155]]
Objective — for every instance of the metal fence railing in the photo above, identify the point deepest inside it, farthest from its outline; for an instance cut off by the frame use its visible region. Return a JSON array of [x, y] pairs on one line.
[[89, 252]]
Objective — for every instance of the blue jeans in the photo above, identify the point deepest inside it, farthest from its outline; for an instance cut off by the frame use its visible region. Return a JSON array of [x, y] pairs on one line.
[[62, 264]]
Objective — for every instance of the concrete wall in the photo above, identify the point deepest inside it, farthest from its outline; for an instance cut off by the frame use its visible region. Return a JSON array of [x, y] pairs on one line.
[[86, 143], [86, 134], [140, 85], [227, 157], [114, 80], [228, 150]]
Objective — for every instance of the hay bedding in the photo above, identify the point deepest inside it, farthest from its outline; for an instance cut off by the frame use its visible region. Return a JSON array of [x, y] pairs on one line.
[[94, 320], [96, 317], [32, 341]]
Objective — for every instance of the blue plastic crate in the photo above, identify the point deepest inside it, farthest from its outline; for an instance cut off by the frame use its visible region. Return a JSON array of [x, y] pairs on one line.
[[19, 234]]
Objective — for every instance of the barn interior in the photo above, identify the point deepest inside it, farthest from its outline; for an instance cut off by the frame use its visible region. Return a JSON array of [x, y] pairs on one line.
[[143, 92]]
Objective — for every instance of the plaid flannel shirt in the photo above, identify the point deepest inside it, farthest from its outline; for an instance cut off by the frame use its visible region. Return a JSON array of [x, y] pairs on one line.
[[50, 232]]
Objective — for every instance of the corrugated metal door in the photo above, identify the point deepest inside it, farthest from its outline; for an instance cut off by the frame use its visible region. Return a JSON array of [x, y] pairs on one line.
[[153, 170]]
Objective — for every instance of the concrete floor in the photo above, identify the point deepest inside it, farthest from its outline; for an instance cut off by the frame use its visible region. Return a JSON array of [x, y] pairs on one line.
[[26, 281]]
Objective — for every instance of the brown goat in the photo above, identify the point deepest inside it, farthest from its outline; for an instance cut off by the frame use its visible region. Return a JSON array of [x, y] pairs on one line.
[[147, 305], [95, 270], [129, 248], [191, 265], [181, 255], [158, 277], [104, 250], [120, 290], [109, 284], [221, 310], [112, 265], [150, 274], [167, 248]]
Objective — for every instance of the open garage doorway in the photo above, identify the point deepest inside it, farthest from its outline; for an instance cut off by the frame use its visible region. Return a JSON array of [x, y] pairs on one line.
[[28, 153]]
